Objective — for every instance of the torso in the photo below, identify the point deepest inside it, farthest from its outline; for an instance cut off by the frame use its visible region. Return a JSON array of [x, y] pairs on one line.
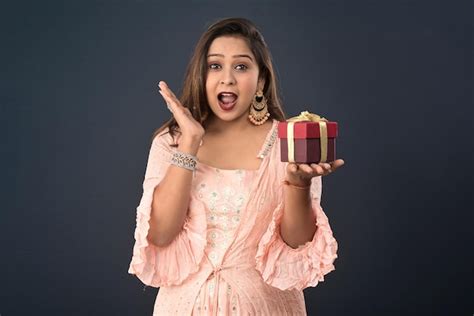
[[234, 153]]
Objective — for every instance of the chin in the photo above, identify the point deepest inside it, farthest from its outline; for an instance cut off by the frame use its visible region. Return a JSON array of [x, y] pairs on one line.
[[228, 117]]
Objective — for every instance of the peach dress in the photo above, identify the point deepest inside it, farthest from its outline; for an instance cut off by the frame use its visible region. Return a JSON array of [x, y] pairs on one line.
[[230, 259]]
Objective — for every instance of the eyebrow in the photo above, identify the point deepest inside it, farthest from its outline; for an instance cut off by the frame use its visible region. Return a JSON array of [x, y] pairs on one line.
[[235, 56]]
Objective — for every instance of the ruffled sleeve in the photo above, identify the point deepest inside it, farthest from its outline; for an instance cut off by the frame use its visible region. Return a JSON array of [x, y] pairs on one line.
[[170, 265], [287, 268]]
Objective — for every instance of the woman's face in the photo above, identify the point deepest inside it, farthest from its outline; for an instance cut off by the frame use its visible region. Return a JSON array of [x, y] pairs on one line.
[[231, 67]]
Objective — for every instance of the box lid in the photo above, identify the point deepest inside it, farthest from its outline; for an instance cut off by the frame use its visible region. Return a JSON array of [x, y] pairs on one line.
[[307, 129]]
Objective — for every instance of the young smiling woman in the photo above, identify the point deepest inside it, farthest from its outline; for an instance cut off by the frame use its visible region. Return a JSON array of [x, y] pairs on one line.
[[223, 226]]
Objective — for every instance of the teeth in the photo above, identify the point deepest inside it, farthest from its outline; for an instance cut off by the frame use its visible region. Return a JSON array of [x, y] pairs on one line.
[[223, 95]]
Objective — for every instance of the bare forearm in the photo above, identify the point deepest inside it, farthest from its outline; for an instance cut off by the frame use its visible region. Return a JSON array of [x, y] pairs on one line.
[[171, 201], [298, 224]]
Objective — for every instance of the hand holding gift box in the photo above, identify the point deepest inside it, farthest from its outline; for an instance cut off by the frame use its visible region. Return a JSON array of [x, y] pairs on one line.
[[308, 143]]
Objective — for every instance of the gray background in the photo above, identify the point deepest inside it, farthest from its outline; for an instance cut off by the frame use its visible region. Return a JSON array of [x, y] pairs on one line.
[[78, 105]]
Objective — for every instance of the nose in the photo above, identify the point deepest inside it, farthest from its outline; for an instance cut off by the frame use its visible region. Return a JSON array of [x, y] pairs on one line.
[[227, 77]]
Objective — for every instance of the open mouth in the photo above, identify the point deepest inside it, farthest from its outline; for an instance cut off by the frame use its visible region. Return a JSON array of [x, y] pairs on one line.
[[227, 100]]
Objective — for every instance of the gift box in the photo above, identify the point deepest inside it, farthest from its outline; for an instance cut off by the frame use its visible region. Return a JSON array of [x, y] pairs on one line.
[[307, 138]]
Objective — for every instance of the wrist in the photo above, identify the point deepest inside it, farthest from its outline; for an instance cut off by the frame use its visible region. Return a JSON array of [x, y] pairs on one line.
[[298, 185], [189, 146], [184, 160], [297, 180]]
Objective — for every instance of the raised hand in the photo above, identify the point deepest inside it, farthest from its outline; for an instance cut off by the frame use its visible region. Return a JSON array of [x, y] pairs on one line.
[[191, 130]]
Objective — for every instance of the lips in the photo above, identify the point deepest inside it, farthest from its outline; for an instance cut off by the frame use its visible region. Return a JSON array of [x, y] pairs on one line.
[[227, 100]]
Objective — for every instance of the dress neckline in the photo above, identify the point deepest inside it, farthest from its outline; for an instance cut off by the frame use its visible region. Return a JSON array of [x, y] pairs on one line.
[[267, 144]]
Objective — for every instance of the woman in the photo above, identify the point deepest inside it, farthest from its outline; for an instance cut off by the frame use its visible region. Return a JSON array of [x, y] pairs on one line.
[[224, 227]]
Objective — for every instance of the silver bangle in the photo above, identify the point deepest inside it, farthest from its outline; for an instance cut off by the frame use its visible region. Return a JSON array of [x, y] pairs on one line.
[[184, 160]]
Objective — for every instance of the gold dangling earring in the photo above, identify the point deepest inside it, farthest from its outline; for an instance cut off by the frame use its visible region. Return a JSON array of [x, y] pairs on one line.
[[259, 109]]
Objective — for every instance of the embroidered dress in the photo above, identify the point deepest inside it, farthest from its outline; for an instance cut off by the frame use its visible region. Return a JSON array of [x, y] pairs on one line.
[[230, 259]]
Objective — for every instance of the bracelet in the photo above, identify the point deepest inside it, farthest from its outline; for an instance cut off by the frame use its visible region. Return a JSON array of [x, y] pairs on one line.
[[184, 160], [286, 182]]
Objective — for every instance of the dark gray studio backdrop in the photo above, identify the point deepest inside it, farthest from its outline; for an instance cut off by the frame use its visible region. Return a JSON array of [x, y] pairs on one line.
[[79, 105]]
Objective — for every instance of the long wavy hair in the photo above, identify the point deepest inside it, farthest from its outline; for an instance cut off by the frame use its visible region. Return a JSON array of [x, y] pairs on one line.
[[193, 94]]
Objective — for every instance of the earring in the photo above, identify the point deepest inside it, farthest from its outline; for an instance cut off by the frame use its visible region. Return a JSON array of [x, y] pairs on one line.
[[259, 109]]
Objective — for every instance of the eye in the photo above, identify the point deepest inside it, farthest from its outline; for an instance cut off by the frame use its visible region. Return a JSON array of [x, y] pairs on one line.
[[211, 66], [244, 67], [214, 66]]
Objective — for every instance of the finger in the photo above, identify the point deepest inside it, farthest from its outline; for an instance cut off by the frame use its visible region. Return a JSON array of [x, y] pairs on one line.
[[337, 163], [168, 103], [168, 97], [307, 169], [293, 167], [187, 111], [174, 105], [177, 111], [325, 166], [317, 168], [164, 86], [172, 102], [164, 90], [168, 92]]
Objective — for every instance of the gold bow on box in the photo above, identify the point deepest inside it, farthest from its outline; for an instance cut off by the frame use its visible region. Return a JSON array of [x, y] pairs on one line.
[[323, 132]]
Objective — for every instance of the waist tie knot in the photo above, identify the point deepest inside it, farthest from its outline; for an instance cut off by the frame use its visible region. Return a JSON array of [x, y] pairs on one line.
[[217, 269], [216, 273]]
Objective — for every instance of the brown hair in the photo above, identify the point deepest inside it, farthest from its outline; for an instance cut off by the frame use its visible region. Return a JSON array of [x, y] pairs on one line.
[[194, 92]]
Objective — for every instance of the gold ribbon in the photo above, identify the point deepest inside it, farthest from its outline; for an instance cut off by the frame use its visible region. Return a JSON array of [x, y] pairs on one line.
[[323, 132]]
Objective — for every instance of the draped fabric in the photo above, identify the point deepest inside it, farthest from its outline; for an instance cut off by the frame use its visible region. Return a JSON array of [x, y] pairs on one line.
[[230, 259]]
